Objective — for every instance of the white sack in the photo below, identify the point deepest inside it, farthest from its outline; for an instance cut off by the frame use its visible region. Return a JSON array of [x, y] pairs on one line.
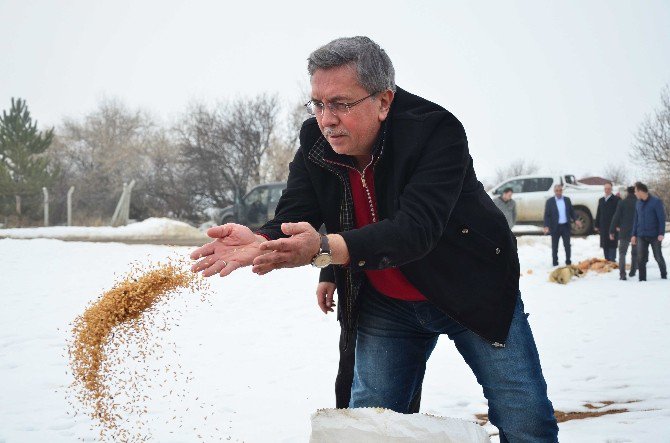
[[373, 425]]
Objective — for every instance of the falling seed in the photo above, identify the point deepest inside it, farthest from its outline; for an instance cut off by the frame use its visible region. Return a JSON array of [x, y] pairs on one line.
[[125, 315]]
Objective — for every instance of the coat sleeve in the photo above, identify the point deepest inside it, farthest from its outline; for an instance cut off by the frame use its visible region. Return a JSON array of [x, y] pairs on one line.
[[660, 215], [633, 232], [546, 213], [513, 213], [424, 206], [598, 212], [572, 216], [616, 218], [327, 274]]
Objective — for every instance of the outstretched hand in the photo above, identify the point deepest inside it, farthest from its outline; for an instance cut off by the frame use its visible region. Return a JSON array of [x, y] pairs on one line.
[[296, 250], [234, 246]]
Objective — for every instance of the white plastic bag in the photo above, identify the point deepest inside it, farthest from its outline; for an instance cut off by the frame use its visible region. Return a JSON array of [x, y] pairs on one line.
[[371, 425]]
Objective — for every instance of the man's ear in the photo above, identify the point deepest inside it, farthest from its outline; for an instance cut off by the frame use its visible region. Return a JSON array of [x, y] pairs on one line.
[[385, 100]]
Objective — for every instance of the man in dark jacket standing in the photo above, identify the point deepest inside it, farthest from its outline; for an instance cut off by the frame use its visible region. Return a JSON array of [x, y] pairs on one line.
[[415, 246], [507, 206], [606, 207], [558, 213], [648, 229], [622, 224]]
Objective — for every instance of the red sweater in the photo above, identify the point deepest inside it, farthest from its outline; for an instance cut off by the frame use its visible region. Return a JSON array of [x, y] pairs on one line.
[[390, 282]]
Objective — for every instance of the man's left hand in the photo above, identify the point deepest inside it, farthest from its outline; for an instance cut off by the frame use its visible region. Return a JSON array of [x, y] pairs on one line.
[[297, 250]]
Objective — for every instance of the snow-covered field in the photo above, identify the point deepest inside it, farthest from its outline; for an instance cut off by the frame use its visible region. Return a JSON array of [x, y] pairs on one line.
[[263, 357]]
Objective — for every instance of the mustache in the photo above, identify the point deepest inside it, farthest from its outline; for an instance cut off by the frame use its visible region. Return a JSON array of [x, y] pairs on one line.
[[330, 132]]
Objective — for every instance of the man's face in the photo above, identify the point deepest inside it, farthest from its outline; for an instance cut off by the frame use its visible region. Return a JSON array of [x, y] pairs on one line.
[[608, 189], [507, 196], [558, 191], [353, 133], [641, 195]]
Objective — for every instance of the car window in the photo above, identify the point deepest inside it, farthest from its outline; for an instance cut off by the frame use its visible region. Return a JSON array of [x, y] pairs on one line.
[[275, 194], [258, 195], [539, 184], [516, 185]]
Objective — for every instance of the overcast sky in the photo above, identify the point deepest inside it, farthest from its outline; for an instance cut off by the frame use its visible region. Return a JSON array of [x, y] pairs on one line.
[[563, 84]]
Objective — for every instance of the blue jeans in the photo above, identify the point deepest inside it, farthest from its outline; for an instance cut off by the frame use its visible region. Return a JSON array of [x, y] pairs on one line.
[[395, 339]]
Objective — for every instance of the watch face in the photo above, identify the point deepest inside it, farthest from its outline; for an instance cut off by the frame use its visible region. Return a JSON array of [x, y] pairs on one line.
[[322, 260]]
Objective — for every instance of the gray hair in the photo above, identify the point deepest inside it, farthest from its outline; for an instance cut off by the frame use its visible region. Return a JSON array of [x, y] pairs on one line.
[[373, 66]]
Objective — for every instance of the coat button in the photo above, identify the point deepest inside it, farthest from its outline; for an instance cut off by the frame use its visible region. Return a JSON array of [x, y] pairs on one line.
[[465, 231], [361, 263], [497, 251]]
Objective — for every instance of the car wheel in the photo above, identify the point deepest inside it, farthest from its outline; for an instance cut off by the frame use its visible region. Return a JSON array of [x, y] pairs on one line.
[[587, 222]]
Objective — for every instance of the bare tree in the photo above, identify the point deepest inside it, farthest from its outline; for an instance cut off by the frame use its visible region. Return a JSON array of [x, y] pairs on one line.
[[223, 148], [616, 173], [651, 147], [282, 148], [517, 167], [99, 153]]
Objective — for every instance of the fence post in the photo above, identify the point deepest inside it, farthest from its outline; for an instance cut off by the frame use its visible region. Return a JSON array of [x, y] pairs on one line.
[[69, 206], [46, 206], [126, 206], [115, 217], [122, 211]]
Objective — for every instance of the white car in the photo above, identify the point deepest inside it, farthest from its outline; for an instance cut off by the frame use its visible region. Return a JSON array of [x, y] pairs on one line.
[[532, 191]]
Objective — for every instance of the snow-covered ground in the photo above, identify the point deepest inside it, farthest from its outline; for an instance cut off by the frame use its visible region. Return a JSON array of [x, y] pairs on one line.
[[151, 230], [263, 357]]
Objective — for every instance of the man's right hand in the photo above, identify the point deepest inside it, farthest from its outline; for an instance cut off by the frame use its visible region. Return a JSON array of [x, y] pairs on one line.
[[633, 240], [234, 246], [546, 230], [324, 296]]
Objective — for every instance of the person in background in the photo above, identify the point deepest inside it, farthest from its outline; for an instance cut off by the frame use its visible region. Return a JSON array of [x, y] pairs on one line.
[[648, 229], [622, 224], [558, 213], [505, 203], [607, 206]]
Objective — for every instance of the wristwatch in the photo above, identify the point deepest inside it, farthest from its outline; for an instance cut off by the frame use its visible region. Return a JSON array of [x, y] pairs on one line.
[[323, 258]]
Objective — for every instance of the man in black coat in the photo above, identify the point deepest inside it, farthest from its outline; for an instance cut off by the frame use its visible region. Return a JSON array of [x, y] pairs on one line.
[[622, 224], [558, 213], [416, 247], [606, 208]]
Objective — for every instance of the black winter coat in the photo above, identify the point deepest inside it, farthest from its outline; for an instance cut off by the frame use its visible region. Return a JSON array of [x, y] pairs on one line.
[[436, 222], [604, 214], [624, 216]]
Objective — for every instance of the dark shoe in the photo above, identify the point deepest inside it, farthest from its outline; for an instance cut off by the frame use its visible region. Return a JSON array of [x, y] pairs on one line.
[[568, 262], [664, 277], [631, 274], [643, 279], [555, 264], [623, 277]]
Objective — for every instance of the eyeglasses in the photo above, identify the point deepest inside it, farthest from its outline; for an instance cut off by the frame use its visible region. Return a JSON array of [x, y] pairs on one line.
[[336, 108]]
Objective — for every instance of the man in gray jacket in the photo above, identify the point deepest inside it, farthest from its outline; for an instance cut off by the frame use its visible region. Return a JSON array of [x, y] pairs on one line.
[[505, 203], [622, 223]]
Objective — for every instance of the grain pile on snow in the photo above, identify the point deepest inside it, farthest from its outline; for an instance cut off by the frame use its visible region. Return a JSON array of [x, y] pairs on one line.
[[597, 265], [113, 339]]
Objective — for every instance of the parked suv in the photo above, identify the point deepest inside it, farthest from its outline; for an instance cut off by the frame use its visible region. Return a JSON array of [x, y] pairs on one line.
[[255, 208], [532, 191]]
